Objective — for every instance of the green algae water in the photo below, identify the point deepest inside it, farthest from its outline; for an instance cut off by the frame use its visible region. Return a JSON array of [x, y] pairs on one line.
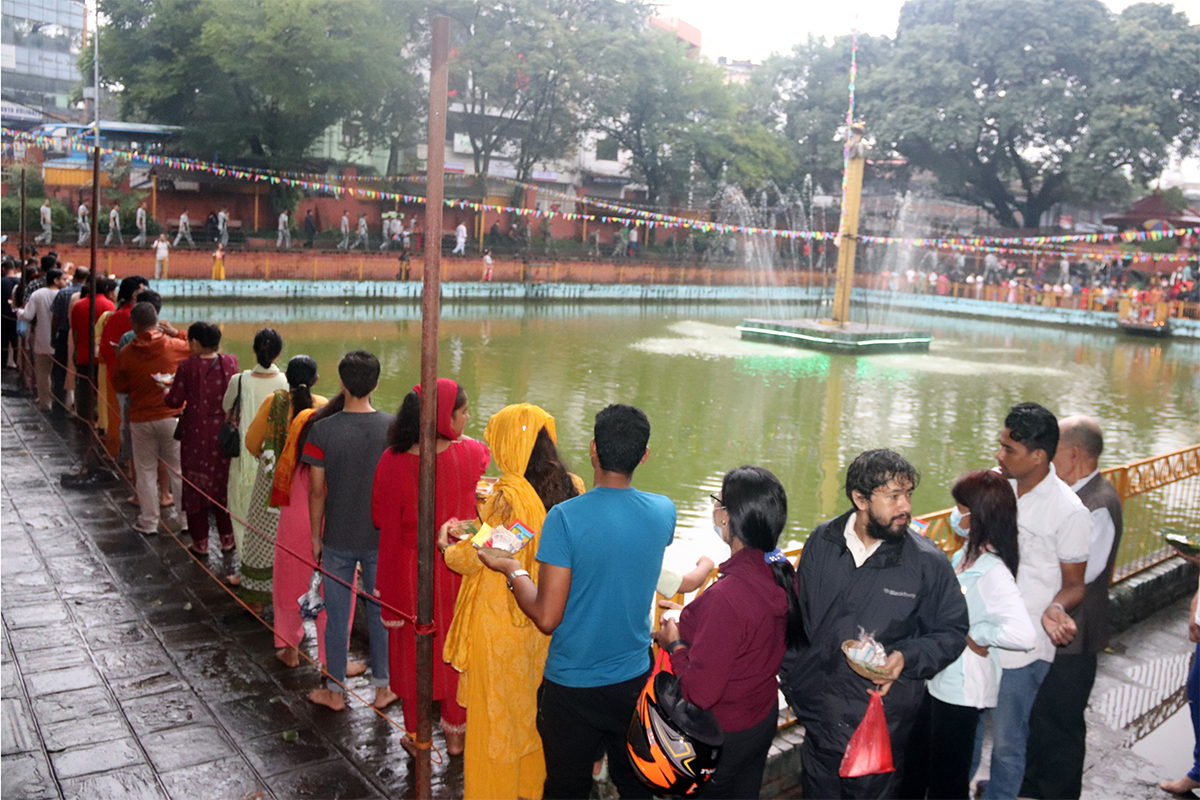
[[716, 402]]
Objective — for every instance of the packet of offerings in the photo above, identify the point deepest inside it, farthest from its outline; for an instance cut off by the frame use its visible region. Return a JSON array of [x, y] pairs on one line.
[[510, 539], [868, 651]]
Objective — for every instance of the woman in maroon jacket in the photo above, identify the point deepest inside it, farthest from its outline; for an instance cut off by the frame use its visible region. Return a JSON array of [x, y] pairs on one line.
[[730, 641]]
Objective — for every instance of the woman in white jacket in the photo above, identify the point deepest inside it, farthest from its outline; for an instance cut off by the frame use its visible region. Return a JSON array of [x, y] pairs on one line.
[[986, 566]]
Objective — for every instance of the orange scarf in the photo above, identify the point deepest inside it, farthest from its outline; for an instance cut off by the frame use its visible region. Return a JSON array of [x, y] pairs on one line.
[[285, 465]]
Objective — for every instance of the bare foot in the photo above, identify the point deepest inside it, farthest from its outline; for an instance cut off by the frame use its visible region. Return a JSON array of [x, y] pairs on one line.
[[289, 656], [1184, 785], [409, 744], [234, 579], [133, 501], [166, 500], [256, 608], [384, 697], [355, 668], [328, 698], [455, 742]]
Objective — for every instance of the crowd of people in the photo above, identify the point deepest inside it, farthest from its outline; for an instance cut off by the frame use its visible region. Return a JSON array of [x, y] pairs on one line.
[[543, 655]]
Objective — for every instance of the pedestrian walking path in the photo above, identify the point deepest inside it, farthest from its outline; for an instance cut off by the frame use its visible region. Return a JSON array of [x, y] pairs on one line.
[[128, 672]]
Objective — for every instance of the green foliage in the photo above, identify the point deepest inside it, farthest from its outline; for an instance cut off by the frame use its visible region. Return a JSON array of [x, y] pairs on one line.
[[1175, 200], [34, 187], [257, 79]]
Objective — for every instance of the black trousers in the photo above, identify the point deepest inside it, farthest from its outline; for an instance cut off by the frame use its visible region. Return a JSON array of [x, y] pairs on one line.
[[952, 738], [1057, 730], [574, 723], [820, 781], [58, 373], [739, 773]]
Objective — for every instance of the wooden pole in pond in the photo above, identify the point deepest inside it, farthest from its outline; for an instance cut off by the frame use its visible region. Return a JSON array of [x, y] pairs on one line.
[[430, 304], [849, 225]]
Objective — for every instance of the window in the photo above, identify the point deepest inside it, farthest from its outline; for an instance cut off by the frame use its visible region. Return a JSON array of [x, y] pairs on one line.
[[606, 149]]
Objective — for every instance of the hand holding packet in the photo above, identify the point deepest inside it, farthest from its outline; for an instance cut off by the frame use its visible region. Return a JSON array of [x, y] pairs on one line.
[[510, 540]]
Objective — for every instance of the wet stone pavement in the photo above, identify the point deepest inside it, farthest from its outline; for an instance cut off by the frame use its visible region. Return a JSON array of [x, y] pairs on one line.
[[128, 672]]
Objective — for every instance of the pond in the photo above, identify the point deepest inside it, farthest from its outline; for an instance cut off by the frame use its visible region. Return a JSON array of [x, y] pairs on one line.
[[715, 402]]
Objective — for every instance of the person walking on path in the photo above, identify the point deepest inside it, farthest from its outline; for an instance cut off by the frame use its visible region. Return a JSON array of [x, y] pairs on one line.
[[487, 265], [293, 568], [599, 558], [185, 229], [162, 249], [867, 571], [343, 451], [729, 642], [1057, 729], [285, 232], [141, 365], [223, 227], [461, 462], [47, 221], [140, 219], [198, 389], [985, 515], [363, 237], [83, 222], [460, 240], [310, 229], [243, 397], [1054, 537], [114, 226], [344, 244]]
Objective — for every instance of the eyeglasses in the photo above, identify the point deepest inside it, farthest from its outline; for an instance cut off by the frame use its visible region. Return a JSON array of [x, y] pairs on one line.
[[717, 501]]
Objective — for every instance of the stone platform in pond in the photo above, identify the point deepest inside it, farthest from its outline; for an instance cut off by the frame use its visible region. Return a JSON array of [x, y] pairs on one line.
[[852, 337]]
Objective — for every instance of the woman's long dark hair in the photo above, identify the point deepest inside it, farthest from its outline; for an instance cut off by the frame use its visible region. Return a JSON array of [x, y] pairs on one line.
[[757, 506], [301, 375], [547, 473], [328, 410], [405, 430], [993, 507]]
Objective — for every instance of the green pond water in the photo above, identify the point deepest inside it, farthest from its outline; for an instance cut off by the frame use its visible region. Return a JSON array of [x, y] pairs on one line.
[[715, 402]]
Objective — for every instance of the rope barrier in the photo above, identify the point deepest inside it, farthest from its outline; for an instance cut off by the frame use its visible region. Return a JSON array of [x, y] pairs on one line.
[[230, 591]]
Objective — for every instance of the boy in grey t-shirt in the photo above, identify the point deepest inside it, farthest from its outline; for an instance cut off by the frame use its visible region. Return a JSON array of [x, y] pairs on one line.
[[343, 451]]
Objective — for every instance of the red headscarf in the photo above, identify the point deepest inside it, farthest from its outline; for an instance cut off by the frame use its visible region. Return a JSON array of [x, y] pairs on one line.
[[447, 393]]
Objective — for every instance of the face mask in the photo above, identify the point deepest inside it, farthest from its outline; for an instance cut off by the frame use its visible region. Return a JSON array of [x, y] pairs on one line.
[[720, 531], [956, 519]]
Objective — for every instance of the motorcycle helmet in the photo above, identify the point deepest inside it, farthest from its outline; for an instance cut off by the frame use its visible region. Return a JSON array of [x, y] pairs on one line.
[[674, 745]]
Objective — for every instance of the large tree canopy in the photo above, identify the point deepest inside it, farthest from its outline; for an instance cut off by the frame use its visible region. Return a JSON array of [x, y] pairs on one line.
[[1017, 106], [257, 78]]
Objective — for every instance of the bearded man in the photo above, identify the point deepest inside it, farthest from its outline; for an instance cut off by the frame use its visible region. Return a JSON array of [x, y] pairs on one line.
[[866, 571]]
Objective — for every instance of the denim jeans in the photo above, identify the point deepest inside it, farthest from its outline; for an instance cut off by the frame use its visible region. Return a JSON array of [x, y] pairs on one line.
[[1010, 729], [341, 563], [1193, 696]]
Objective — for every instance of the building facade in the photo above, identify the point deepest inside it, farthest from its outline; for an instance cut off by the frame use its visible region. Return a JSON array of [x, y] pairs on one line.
[[40, 43]]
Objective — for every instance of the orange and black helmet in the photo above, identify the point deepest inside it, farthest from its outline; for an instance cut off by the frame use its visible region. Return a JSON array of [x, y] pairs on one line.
[[673, 745]]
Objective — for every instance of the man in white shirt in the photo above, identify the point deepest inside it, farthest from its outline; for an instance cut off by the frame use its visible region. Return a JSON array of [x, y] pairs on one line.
[[363, 236], [285, 232], [47, 224], [223, 227], [185, 229], [83, 223], [1057, 730], [140, 219], [460, 240], [37, 310], [114, 226], [1054, 534], [344, 244]]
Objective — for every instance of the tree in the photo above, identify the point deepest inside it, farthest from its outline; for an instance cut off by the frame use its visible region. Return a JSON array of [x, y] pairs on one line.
[[519, 72], [257, 80], [1018, 105], [655, 105]]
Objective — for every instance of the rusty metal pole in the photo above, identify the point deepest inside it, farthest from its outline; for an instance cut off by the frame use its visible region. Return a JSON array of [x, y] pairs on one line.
[[91, 336], [430, 305], [21, 252]]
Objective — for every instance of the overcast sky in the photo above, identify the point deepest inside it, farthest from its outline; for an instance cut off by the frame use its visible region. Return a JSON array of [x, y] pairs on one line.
[[753, 29]]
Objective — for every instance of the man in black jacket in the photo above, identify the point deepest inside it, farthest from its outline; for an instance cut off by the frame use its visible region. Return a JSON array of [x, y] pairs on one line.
[[865, 571]]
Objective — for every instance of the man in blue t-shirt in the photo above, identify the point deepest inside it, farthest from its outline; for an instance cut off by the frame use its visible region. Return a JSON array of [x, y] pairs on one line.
[[599, 560]]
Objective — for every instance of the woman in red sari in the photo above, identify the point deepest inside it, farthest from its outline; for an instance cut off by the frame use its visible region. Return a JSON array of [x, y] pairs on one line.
[[461, 462]]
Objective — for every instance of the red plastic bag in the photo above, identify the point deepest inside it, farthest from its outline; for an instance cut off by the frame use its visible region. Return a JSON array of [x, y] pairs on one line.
[[870, 748]]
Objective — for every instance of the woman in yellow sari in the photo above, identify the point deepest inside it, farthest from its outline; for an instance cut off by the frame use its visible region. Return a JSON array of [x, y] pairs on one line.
[[498, 650]]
